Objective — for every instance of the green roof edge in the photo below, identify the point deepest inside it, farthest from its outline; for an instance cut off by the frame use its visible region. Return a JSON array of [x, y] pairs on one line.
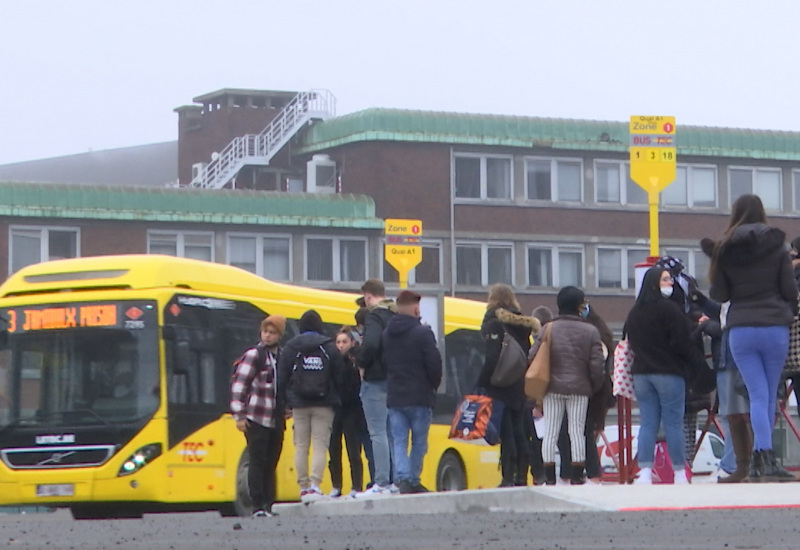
[[526, 132], [240, 207]]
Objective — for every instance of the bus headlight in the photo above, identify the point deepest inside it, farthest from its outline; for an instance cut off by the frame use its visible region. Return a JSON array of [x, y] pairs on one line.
[[140, 458]]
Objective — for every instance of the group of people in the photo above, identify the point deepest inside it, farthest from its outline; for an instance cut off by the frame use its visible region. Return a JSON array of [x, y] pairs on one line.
[[753, 301], [381, 378], [374, 384], [578, 396]]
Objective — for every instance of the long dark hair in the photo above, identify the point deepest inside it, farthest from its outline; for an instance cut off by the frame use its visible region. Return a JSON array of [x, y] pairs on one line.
[[606, 335], [746, 209], [651, 287]]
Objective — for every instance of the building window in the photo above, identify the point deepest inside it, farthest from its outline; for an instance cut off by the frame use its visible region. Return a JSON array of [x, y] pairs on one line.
[[183, 244], [31, 245], [336, 259], [694, 186], [427, 272], [483, 264], [554, 179], [265, 255], [796, 189], [555, 266], [764, 182], [482, 177], [613, 184], [615, 266]]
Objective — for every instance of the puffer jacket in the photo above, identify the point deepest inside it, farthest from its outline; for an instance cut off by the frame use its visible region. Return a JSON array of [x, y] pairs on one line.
[[577, 364], [754, 272], [493, 329]]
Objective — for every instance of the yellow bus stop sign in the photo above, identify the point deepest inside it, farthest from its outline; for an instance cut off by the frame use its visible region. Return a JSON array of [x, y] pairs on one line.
[[653, 157], [403, 246], [652, 149]]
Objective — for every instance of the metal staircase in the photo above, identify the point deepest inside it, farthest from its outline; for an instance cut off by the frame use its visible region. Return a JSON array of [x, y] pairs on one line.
[[258, 149]]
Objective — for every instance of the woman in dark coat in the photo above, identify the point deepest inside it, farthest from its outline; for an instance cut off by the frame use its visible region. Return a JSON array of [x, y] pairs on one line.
[[751, 268], [503, 315], [660, 335]]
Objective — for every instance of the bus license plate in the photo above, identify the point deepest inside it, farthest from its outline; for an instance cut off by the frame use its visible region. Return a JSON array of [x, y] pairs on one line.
[[56, 490]]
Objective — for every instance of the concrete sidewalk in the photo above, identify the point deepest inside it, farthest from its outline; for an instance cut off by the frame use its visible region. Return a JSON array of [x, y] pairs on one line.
[[588, 498]]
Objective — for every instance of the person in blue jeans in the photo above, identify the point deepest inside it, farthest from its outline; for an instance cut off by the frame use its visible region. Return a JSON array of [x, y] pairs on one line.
[[660, 336], [751, 268], [413, 373], [373, 385]]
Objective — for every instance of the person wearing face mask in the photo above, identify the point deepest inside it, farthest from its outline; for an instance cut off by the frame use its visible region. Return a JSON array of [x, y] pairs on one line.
[[660, 335], [577, 369]]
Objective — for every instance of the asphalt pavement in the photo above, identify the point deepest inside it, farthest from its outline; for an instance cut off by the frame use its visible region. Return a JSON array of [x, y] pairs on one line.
[[700, 516]]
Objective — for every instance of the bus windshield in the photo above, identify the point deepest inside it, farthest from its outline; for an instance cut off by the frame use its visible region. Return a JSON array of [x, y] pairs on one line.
[[74, 364]]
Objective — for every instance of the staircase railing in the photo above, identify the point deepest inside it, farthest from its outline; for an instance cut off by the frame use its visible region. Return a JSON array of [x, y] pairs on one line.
[[259, 149]]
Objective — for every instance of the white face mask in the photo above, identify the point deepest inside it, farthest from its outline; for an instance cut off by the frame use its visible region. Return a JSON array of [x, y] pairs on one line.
[[666, 291]]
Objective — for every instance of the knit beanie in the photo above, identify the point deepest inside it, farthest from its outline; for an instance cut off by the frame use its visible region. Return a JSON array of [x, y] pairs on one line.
[[277, 321]]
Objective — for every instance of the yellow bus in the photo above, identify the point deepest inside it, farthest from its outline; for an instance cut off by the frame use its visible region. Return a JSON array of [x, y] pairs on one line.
[[115, 385]]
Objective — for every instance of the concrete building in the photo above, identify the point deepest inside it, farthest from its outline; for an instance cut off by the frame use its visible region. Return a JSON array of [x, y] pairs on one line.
[[533, 202]]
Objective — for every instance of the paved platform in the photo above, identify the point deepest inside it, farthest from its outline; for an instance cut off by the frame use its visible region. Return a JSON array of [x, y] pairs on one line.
[[587, 498]]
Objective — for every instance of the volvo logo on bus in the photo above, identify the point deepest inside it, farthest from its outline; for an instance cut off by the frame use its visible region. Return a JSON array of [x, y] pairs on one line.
[[55, 458], [55, 439]]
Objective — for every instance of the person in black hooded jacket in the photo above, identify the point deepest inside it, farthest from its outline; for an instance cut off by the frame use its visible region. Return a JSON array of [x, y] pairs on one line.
[[503, 314], [313, 416], [751, 268]]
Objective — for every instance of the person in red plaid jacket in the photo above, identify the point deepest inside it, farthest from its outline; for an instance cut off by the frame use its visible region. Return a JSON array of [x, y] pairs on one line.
[[253, 405]]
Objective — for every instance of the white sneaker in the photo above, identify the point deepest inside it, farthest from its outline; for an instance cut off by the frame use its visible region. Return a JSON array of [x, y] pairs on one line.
[[645, 477], [376, 491], [313, 494], [394, 489], [680, 478], [335, 493]]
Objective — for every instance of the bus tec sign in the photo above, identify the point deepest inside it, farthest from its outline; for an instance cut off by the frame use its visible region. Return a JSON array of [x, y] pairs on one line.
[[403, 246], [653, 151]]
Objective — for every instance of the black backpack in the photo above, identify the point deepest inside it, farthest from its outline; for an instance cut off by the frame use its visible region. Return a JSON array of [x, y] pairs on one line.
[[311, 374]]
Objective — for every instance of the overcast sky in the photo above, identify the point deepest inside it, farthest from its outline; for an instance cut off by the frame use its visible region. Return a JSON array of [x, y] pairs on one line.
[[86, 75]]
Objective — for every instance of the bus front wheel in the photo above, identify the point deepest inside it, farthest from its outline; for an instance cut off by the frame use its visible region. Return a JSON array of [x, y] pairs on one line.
[[243, 506], [450, 475]]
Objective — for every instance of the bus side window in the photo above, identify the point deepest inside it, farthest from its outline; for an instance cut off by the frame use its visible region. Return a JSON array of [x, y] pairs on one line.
[[179, 384]]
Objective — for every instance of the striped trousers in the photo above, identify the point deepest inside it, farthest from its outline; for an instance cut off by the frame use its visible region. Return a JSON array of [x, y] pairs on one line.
[[555, 404]]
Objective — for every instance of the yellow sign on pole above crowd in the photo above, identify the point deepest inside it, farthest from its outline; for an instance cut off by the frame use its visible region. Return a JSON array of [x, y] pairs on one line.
[[403, 248], [653, 162]]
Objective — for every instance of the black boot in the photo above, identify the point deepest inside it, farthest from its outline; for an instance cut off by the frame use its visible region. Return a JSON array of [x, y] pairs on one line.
[[757, 467], [578, 477], [774, 471], [550, 474]]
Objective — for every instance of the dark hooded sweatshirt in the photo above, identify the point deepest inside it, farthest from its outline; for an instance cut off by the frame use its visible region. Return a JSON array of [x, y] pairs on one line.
[[412, 361], [755, 273]]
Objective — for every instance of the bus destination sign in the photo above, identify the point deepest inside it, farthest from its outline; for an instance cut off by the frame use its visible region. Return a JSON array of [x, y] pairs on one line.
[[26, 319]]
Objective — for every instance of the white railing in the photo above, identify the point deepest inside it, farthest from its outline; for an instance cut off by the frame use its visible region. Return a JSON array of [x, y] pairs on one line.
[[259, 149]]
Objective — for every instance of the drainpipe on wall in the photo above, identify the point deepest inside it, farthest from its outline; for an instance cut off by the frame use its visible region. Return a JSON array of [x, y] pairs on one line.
[[452, 225]]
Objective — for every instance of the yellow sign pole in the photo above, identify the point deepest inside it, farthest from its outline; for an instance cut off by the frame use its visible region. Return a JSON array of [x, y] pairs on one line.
[[653, 162], [403, 248], [652, 200]]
